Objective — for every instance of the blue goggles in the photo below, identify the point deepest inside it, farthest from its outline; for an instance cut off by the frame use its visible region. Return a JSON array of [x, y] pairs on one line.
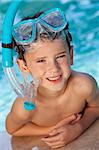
[[25, 31]]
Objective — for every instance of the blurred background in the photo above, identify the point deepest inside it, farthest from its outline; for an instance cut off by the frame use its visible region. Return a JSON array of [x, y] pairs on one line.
[[83, 18]]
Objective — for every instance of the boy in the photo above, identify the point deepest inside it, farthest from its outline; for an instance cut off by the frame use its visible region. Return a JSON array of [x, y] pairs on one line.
[[63, 94]]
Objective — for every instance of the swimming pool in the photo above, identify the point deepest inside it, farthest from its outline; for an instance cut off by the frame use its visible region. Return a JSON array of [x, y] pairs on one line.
[[84, 26]]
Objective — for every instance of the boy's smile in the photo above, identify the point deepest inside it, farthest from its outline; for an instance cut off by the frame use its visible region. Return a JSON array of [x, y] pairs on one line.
[[55, 79]]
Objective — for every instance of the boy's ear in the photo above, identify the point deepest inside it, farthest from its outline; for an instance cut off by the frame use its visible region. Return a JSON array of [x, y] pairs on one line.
[[71, 55], [22, 66]]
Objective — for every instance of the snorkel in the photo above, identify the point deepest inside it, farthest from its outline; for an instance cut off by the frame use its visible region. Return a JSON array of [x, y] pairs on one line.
[[7, 54]]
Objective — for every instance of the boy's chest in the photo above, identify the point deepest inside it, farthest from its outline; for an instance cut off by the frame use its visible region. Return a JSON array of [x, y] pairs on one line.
[[52, 114]]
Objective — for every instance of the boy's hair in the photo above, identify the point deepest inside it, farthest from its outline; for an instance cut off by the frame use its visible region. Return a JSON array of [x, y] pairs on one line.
[[20, 49]]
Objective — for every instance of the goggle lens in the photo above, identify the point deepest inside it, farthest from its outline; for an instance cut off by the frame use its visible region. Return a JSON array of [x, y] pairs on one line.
[[55, 19], [23, 31]]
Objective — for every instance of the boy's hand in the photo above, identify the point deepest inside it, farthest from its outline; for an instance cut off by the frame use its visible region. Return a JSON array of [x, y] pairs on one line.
[[63, 132], [62, 136]]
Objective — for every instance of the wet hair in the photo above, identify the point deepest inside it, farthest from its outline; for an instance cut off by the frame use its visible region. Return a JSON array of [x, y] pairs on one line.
[[20, 49]]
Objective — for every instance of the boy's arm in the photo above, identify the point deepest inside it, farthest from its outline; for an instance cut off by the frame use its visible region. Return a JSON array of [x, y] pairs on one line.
[[18, 122], [92, 110], [31, 129], [91, 114], [21, 126], [17, 117]]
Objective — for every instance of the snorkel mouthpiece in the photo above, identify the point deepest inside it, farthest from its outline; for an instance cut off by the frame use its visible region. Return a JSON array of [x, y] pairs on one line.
[[29, 105]]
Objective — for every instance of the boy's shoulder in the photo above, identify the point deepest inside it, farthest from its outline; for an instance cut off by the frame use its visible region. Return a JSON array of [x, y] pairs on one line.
[[18, 109], [18, 103], [85, 77], [83, 82]]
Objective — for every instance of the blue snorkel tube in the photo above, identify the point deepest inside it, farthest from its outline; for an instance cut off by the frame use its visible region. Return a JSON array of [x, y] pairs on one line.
[[7, 57], [7, 52]]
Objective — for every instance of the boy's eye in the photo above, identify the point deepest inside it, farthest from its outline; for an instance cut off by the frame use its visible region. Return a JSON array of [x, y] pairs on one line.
[[40, 61], [61, 56]]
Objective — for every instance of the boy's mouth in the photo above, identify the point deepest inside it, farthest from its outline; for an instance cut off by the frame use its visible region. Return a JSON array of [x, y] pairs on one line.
[[55, 79]]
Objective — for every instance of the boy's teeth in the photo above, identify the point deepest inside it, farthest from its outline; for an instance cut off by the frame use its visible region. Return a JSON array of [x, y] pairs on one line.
[[54, 78]]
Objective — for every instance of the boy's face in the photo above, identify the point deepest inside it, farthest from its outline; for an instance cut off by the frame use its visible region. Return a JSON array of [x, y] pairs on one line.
[[50, 62]]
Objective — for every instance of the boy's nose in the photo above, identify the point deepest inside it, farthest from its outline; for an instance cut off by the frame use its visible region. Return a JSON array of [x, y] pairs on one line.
[[53, 66]]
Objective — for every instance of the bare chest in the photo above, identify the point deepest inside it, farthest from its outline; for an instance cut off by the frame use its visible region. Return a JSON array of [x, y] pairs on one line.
[[49, 115]]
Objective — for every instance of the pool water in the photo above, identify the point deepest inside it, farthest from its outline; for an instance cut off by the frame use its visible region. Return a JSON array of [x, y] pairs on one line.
[[83, 17]]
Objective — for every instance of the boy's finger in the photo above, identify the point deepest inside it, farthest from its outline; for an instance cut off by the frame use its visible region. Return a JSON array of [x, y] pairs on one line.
[[77, 119], [52, 139], [54, 144], [56, 131]]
